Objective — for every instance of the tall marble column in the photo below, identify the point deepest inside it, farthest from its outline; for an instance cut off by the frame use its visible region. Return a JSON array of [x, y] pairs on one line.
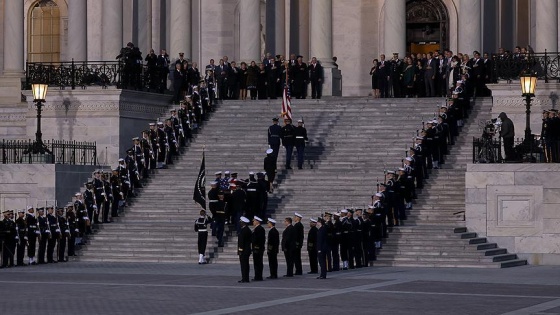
[[304, 16], [144, 25], [112, 28], [180, 32], [250, 30], [280, 27], [77, 30], [13, 37], [394, 33], [546, 33], [156, 25], [470, 26], [321, 31]]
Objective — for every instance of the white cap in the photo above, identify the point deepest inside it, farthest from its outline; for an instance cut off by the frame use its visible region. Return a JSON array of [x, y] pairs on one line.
[[271, 220], [257, 218], [121, 160], [29, 207], [244, 219], [269, 151], [408, 158], [379, 195], [298, 215], [344, 211], [312, 220], [226, 172], [300, 121], [370, 206], [251, 173], [401, 169], [78, 194], [218, 173]]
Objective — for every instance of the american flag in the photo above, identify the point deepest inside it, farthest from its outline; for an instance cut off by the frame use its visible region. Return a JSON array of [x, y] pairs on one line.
[[286, 104]]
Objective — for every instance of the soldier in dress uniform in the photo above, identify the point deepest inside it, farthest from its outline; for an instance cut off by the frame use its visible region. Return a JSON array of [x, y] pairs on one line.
[[64, 234], [322, 247], [264, 189], [345, 239], [300, 134], [299, 234], [327, 221], [45, 234], [389, 198], [73, 228], [53, 235], [153, 136], [288, 141], [312, 246], [289, 246], [253, 197], [94, 196], [358, 226], [244, 249], [220, 218], [258, 241], [270, 167], [273, 244], [238, 205], [83, 221], [8, 230], [274, 135], [33, 233], [201, 227], [171, 140], [163, 146], [337, 238], [21, 227], [213, 202], [138, 153]]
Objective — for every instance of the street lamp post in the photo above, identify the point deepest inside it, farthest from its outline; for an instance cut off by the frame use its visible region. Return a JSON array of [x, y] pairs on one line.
[[528, 85], [39, 95]]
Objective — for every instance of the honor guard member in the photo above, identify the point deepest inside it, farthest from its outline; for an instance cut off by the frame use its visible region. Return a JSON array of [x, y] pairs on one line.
[[64, 234], [300, 134], [273, 244], [224, 182], [345, 239], [163, 146], [274, 135], [389, 197], [21, 227], [312, 246], [220, 218], [95, 196], [351, 238], [118, 200], [83, 220], [237, 205], [183, 115], [53, 235], [213, 202], [138, 152], [545, 130], [289, 246], [337, 239], [253, 197], [327, 221], [152, 135], [73, 228], [299, 234], [258, 242], [358, 238], [270, 167], [8, 230], [288, 141], [45, 234], [201, 227], [244, 249], [133, 173], [33, 233], [322, 248], [146, 146], [179, 134], [264, 189], [172, 138]]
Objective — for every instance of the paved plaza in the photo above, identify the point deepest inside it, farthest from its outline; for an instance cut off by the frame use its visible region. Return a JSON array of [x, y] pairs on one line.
[[128, 288]]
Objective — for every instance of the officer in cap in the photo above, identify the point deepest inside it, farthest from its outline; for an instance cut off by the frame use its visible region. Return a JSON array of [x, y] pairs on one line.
[[299, 233], [312, 246], [300, 134], [9, 231], [244, 249], [322, 248], [45, 233], [288, 141], [258, 241], [270, 167], [33, 233], [273, 245], [21, 227], [201, 227], [274, 134]]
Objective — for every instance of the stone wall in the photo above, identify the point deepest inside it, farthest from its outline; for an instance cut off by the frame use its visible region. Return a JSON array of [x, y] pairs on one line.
[[109, 116], [39, 184], [518, 207]]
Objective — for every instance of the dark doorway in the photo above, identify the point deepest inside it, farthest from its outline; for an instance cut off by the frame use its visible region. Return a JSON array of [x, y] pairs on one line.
[[427, 25]]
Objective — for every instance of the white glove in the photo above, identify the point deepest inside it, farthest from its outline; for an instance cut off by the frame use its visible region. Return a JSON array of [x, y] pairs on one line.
[[25, 238], [76, 230], [94, 207], [37, 232], [17, 237]]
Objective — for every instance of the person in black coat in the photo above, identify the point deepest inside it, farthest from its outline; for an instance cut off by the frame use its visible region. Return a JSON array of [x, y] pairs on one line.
[[274, 135], [507, 132], [300, 78], [178, 82], [300, 234], [384, 70], [289, 246], [288, 141], [316, 76], [244, 249], [322, 248], [312, 245], [272, 248], [258, 240], [300, 139], [270, 167]]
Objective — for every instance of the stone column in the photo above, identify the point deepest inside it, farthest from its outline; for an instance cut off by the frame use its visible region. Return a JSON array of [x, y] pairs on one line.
[[156, 25], [13, 38], [180, 32], [144, 25], [546, 32], [321, 45], [250, 30], [112, 28], [305, 16], [470, 26], [77, 30], [280, 27], [394, 34]]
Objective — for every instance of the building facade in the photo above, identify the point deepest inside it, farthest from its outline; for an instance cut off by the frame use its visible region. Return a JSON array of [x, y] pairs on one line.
[[355, 31]]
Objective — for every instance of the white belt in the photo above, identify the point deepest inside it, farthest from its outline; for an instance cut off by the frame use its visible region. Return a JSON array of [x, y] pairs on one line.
[[299, 137], [213, 201], [251, 189], [205, 230]]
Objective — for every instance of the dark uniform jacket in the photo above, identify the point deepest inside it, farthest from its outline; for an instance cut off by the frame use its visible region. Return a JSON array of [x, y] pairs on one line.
[[258, 239], [289, 239], [273, 241], [288, 135], [300, 134], [244, 242], [299, 234], [274, 134], [312, 239]]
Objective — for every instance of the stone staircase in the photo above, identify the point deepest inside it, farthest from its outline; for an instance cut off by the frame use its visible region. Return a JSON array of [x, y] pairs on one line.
[[351, 142]]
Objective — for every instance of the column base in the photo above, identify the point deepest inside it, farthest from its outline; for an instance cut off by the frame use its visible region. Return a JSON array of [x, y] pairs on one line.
[[10, 88]]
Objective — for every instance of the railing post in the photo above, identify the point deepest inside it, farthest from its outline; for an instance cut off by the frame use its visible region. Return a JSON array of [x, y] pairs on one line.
[[73, 72], [545, 67], [95, 153]]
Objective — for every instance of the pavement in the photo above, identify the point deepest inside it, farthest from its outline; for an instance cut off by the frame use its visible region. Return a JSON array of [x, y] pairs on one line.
[[81, 288]]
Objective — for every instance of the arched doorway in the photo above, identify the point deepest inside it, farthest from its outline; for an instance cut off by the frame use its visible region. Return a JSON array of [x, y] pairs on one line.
[[427, 25], [44, 25]]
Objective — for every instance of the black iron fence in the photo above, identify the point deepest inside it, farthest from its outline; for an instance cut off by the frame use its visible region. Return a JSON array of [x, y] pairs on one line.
[[62, 152], [509, 66], [489, 150], [83, 74]]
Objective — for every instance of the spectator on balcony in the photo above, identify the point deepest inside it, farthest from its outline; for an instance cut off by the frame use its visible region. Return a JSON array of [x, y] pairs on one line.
[[151, 63], [163, 67], [252, 78]]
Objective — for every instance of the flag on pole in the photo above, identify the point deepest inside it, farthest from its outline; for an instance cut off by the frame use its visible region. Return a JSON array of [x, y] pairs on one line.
[[200, 185], [286, 103]]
